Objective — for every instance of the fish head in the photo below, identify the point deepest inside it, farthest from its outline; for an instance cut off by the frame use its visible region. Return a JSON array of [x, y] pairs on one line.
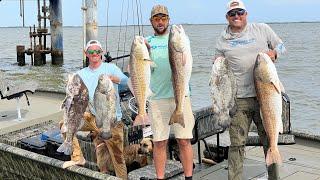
[[220, 66], [73, 85], [262, 67], [139, 48], [178, 38], [105, 84]]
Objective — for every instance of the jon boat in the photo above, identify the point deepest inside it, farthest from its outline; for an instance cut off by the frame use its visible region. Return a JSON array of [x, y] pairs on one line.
[[300, 152]]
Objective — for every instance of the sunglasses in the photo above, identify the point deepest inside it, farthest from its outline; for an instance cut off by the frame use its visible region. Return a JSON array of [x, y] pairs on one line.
[[90, 51], [158, 18], [240, 12]]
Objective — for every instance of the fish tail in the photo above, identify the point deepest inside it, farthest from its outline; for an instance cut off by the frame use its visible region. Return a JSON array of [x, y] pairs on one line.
[[224, 122], [177, 117], [141, 120], [66, 148], [273, 156]]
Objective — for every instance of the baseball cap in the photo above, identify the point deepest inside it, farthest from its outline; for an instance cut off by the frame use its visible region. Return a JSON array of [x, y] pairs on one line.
[[91, 43], [159, 9], [235, 4]]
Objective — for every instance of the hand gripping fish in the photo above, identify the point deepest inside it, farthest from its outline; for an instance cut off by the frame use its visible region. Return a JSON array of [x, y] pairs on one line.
[[74, 106], [180, 59], [104, 101], [140, 74], [223, 92], [268, 89]]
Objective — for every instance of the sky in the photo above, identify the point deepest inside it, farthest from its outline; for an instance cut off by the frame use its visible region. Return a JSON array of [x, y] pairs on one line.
[[181, 11]]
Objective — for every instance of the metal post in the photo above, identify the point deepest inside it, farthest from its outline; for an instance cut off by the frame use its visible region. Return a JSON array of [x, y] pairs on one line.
[[84, 12], [56, 32], [91, 20], [18, 109]]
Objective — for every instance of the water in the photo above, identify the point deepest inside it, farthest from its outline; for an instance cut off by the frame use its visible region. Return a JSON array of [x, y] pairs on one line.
[[298, 70]]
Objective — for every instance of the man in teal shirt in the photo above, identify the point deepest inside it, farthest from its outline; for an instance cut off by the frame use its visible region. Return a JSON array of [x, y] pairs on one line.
[[163, 103]]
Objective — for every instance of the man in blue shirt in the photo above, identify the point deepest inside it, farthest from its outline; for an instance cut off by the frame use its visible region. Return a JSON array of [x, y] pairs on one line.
[[90, 76]]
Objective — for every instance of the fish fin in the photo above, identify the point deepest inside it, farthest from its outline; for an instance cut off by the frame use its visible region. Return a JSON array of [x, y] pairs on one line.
[[261, 115], [141, 120], [130, 86], [66, 148], [63, 128], [282, 87], [184, 59], [224, 121], [280, 126], [273, 156], [68, 164], [177, 117], [277, 85], [149, 92], [80, 162]]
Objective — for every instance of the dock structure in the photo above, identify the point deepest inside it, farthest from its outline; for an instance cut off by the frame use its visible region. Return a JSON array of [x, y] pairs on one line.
[[38, 35], [56, 32], [90, 24]]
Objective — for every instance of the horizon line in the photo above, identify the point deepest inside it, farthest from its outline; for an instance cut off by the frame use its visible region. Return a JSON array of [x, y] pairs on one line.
[[316, 21]]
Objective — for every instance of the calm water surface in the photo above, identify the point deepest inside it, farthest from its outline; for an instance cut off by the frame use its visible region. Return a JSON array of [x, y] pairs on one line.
[[298, 69]]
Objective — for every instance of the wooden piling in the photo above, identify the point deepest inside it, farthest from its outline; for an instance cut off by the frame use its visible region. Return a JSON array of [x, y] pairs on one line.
[[21, 58]]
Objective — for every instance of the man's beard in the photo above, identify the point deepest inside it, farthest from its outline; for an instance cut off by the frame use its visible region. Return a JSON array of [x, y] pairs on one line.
[[161, 32]]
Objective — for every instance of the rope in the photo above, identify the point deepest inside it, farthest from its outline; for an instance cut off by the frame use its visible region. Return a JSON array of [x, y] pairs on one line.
[[141, 19], [138, 17], [107, 28], [125, 37], [119, 38]]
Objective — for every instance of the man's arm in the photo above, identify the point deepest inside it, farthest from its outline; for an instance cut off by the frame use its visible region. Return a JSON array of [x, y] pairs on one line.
[[217, 54], [118, 76], [275, 44]]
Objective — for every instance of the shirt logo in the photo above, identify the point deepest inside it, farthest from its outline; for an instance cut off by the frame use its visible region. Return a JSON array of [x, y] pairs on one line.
[[159, 46], [235, 43]]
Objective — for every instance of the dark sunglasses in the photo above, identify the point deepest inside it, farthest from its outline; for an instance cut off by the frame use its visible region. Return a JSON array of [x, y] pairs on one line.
[[158, 18], [240, 12], [94, 51]]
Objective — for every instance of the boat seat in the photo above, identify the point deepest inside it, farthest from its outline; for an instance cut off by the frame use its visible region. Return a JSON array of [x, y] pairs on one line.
[[286, 138], [10, 90]]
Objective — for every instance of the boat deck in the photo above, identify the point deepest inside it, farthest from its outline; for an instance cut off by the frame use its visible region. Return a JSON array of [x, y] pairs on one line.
[[300, 161], [44, 106]]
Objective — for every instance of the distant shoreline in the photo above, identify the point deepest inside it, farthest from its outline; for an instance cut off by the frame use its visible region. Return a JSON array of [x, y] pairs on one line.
[[307, 22]]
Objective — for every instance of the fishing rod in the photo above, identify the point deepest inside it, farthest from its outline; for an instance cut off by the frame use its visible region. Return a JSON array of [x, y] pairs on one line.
[[109, 58]]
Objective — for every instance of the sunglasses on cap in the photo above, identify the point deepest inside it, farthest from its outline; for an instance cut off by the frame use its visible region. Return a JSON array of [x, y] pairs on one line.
[[158, 18], [233, 12], [90, 51]]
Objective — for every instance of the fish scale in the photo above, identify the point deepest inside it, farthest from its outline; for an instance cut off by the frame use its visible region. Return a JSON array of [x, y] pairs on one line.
[[74, 106], [268, 91], [140, 74], [180, 59], [104, 101], [223, 92]]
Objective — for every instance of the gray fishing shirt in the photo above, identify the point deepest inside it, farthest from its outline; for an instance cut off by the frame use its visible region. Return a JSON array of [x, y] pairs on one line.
[[241, 50]]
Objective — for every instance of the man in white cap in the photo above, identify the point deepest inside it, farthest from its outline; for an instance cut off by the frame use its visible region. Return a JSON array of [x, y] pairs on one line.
[[90, 76], [162, 104], [240, 44]]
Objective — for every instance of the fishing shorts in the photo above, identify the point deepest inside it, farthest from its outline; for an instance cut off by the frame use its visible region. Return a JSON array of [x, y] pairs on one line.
[[160, 113]]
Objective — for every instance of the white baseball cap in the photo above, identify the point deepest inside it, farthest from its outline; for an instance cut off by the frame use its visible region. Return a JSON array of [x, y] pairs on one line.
[[92, 43], [235, 4]]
